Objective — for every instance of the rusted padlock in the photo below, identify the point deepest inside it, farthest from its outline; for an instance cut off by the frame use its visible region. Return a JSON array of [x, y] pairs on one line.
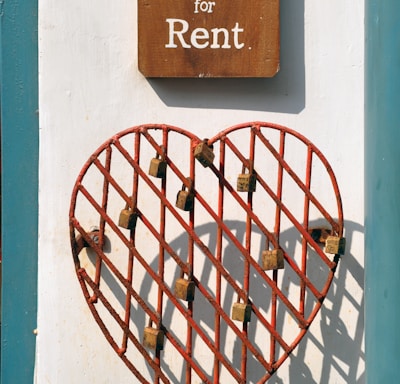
[[204, 153], [184, 289], [241, 312], [272, 259], [153, 338], [128, 218], [158, 166], [335, 245], [246, 182], [185, 198]]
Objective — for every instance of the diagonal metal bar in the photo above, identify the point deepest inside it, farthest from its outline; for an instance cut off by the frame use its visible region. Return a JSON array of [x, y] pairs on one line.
[[139, 174], [296, 178], [125, 328], [243, 295], [163, 286], [290, 216], [232, 237], [153, 316]]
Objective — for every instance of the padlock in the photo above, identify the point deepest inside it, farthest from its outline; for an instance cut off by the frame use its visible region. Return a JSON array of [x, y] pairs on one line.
[[320, 234], [204, 153], [184, 289], [158, 167], [127, 218], [185, 198], [272, 259], [241, 312], [153, 338], [246, 182], [335, 245]]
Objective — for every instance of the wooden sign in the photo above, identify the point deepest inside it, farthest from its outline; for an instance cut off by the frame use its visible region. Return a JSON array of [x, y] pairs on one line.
[[200, 38]]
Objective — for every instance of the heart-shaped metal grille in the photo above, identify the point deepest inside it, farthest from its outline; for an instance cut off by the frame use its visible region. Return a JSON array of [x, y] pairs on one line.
[[222, 290]]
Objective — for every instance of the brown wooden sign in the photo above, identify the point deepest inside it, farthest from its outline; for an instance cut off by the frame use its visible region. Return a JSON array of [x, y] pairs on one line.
[[201, 38]]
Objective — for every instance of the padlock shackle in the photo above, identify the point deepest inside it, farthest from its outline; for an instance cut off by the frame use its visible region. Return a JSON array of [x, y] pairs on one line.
[[190, 182], [189, 271], [163, 153], [247, 298], [157, 324], [206, 142], [250, 167], [128, 206]]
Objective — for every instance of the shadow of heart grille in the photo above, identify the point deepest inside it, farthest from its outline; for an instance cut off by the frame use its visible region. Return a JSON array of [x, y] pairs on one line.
[[208, 259]]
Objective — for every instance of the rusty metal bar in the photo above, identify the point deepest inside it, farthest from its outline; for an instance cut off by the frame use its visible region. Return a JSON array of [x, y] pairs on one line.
[[216, 260], [167, 291], [251, 214], [217, 321], [290, 216], [162, 284], [266, 232], [153, 316], [102, 222], [204, 248], [307, 142], [304, 243], [161, 251], [135, 191], [298, 181], [84, 277], [246, 277], [277, 229], [189, 336]]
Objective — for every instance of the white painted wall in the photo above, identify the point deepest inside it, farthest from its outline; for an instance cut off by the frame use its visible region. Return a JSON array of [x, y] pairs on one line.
[[90, 89]]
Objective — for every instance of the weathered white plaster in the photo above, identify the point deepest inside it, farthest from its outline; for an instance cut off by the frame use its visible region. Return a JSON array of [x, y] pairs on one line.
[[90, 89]]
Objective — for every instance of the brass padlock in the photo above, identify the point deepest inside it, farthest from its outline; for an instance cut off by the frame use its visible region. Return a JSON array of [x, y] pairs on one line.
[[335, 245], [153, 338], [204, 153], [158, 167], [127, 218], [184, 289], [241, 312], [185, 198], [272, 259], [246, 182]]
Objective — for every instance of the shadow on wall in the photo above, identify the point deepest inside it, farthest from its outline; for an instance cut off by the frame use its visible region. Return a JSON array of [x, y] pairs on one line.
[[283, 93], [341, 350]]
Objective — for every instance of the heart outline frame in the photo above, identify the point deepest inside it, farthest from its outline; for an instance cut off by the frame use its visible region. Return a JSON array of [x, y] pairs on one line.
[[92, 286]]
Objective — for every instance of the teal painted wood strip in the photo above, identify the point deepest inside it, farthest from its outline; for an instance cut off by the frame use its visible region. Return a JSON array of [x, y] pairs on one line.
[[382, 190], [19, 117]]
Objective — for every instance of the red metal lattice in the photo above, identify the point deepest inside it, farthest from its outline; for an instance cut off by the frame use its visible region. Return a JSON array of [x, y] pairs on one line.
[[116, 176]]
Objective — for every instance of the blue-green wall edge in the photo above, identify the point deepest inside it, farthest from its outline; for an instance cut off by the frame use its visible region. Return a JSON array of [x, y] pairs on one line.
[[20, 152], [382, 190]]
